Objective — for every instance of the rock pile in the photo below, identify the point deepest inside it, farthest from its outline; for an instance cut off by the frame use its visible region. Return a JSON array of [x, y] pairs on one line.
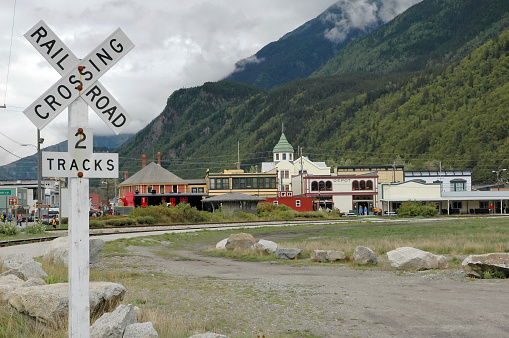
[[23, 289]]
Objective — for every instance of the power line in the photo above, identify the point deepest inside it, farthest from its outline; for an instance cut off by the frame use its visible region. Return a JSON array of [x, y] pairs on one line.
[[10, 53]]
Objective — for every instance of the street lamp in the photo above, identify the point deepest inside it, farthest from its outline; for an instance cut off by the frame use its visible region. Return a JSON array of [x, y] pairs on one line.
[[498, 176]]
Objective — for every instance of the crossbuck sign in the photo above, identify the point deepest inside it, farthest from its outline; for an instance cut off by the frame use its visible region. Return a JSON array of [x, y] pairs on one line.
[[77, 88], [79, 78]]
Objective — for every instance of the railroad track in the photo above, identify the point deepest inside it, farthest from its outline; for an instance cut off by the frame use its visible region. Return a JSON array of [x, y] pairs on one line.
[[115, 230]]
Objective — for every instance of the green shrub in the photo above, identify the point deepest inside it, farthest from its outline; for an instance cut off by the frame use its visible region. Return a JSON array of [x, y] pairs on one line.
[[150, 220], [417, 209], [37, 228], [275, 212], [9, 228], [181, 213], [245, 216], [96, 224], [141, 219]]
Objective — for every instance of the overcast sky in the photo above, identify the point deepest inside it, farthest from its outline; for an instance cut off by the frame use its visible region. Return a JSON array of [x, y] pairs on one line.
[[178, 44]]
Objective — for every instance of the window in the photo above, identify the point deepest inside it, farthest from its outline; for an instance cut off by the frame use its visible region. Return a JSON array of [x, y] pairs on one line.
[[328, 186], [362, 185], [149, 189], [284, 157], [235, 183], [174, 187], [172, 201], [291, 157], [285, 174], [130, 190], [194, 190], [200, 190], [355, 185], [484, 204], [226, 183], [314, 186], [297, 203], [183, 200], [275, 202], [321, 186], [369, 185], [457, 204], [277, 157], [458, 185], [161, 189]]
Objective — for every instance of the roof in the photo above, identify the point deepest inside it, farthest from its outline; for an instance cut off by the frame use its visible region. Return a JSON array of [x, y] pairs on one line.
[[233, 196], [283, 146], [153, 173]]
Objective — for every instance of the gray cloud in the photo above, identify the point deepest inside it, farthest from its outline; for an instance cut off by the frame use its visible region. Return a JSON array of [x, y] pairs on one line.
[[360, 14], [178, 44]]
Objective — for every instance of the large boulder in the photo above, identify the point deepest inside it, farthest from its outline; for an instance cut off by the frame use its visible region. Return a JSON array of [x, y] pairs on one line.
[[363, 255], [49, 304], [14, 260], [477, 265], [25, 271], [240, 241], [287, 253], [335, 255], [266, 246], [327, 255], [113, 324], [408, 259], [58, 251], [10, 283], [145, 330]]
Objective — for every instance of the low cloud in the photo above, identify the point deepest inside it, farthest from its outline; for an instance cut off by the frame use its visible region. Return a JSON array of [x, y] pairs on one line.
[[241, 65], [361, 15]]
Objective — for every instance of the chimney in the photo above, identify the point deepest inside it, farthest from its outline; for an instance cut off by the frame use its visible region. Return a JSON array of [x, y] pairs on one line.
[[126, 175], [159, 158], [143, 161]]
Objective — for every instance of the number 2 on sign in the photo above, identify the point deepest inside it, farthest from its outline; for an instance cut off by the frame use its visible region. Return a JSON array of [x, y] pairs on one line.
[[81, 140]]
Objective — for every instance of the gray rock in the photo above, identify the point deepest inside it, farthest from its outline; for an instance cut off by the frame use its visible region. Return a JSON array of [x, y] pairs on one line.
[[8, 284], [334, 255], [240, 241], [113, 324], [49, 304], [222, 244], [408, 258], [363, 255], [14, 260], [477, 265], [26, 270], [208, 335], [145, 330], [58, 251], [287, 253], [319, 255], [266, 246]]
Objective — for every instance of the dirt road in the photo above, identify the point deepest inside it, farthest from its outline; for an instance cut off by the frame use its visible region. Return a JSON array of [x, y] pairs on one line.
[[329, 300]]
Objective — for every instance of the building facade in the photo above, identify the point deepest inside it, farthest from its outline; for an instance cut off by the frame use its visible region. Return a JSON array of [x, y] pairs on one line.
[[237, 181]]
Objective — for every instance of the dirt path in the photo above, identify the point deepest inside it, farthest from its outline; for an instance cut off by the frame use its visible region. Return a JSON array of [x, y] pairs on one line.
[[336, 300]]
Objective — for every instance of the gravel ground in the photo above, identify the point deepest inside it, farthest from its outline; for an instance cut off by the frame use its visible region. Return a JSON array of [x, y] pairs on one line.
[[310, 300]]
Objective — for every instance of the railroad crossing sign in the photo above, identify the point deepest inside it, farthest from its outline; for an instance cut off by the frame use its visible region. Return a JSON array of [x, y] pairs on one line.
[[77, 88], [79, 78]]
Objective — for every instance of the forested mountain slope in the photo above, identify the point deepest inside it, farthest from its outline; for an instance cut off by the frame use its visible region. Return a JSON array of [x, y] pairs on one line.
[[431, 33], [455, 115]]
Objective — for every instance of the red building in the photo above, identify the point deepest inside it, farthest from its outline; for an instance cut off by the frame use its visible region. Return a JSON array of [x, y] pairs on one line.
[[297, 203]]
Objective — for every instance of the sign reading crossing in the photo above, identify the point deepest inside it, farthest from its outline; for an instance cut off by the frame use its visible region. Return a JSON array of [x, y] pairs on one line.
[[79, 78]]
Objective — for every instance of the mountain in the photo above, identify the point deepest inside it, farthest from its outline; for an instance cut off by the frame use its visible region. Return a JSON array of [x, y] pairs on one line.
[[431, 33], [26, 167], [304, 50], [451, 114]]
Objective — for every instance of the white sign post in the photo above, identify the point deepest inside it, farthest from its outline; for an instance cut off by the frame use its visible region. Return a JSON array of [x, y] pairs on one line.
[[77, 89]]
